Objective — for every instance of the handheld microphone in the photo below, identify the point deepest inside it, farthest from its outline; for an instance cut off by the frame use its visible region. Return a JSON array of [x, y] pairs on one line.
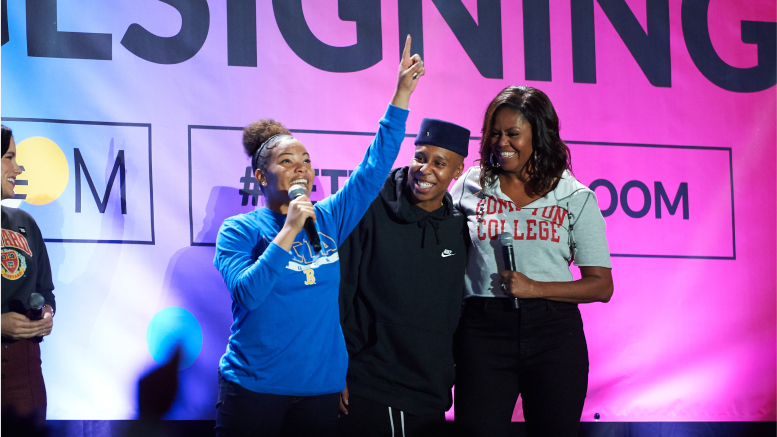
[[310, 227], [36, 306], [509, 257]]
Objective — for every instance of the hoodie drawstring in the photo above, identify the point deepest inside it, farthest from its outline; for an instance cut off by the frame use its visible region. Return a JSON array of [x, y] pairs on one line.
[[435, 225]]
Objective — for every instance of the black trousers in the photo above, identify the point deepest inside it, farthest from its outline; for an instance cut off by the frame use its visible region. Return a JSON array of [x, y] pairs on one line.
[[242, 412], [367, 418], [23, 390], [538, 351]]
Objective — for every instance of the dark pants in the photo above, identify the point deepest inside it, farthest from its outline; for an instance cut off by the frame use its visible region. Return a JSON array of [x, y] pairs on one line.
[[23, 390], [242, 412], [538, 351], [367, 418]]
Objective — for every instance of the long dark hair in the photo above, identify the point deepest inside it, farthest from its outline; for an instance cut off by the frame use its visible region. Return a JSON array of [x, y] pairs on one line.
[[6, 139], [550, 156]]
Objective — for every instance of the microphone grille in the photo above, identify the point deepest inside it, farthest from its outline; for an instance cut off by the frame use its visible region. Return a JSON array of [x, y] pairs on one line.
[[296, 191], [506, 239], [36, 301]]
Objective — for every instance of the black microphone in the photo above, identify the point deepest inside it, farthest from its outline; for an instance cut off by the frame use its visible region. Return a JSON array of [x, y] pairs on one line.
[[509, 257], [36, 306], [310, 227]]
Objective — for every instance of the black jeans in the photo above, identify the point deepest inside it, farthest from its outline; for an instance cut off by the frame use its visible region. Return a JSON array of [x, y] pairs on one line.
[[242, 412], [538, 351]]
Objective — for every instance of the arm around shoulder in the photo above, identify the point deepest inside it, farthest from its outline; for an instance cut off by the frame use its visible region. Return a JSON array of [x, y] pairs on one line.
[[459, 190]]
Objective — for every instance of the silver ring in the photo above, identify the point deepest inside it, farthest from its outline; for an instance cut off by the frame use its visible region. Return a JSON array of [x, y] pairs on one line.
[[504, 288], [415, 75]]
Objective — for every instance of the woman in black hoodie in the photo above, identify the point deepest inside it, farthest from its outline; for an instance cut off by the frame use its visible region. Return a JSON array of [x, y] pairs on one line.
[[401, 289]]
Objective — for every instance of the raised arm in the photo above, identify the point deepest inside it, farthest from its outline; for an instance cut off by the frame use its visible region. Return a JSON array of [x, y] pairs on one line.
[[349, 204], [410, 69]]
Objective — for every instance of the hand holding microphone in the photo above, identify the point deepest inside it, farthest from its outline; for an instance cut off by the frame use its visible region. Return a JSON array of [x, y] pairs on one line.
[[515, 283], [36, 306], [509, 258], [35, 323], [301, 209]]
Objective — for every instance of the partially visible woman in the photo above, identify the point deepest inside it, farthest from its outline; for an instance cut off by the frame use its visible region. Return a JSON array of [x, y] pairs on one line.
[[26, 270], [286, 361], [523, 187]]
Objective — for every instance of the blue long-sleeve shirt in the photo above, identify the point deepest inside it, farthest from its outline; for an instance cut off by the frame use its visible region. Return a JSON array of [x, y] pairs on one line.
[[286, 337]]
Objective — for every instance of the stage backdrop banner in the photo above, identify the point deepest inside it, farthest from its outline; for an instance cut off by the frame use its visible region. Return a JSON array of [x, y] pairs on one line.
[[128, 117]]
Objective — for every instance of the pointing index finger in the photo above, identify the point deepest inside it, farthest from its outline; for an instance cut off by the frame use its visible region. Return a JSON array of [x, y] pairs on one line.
[[406, 52]]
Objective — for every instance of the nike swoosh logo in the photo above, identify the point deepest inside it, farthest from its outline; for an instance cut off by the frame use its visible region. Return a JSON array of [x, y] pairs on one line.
[[447, 252]]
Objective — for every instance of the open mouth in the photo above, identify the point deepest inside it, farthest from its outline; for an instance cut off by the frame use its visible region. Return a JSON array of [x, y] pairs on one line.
[[506, 155], [423, 187], [303, 182]]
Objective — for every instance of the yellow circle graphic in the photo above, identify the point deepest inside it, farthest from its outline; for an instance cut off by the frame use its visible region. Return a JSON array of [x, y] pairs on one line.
[[45, 170]]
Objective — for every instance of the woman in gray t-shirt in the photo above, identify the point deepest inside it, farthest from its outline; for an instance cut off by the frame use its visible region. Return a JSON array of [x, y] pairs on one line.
[[524, 194]]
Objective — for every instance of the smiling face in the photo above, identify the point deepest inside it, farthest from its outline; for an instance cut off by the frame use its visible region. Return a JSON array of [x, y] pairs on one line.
[[288, 165], [431, 172], [511, 140], [10, 171]]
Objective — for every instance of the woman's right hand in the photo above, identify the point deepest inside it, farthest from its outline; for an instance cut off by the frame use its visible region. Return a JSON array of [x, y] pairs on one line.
[[16, 326], [300, 209], [411, 68]]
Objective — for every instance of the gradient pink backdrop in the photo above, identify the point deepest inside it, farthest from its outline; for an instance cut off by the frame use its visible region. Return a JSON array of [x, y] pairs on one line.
[[681, 340]]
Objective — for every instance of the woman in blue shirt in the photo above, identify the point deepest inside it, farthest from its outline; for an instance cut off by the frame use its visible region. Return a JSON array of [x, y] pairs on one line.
[[285, 363]]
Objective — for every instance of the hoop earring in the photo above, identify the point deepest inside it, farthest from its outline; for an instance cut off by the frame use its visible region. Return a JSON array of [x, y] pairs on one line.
[[491, 160]]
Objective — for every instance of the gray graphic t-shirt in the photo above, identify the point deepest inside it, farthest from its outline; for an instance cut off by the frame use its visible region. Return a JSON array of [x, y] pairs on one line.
[[540, 230]]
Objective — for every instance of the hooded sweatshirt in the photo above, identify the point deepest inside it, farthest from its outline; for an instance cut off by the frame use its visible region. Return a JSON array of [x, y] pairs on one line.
[[400, 299]]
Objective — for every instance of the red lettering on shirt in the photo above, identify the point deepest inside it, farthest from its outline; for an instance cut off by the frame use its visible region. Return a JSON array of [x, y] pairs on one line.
[[548, 213], [543, 230], [491, 205], [503, 227], [553, 228], [493, 225], [534, 212], [560, 215], [483, 235], [480, 204], [516, 234], [502, 205], [529, 235], [16, 240]]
